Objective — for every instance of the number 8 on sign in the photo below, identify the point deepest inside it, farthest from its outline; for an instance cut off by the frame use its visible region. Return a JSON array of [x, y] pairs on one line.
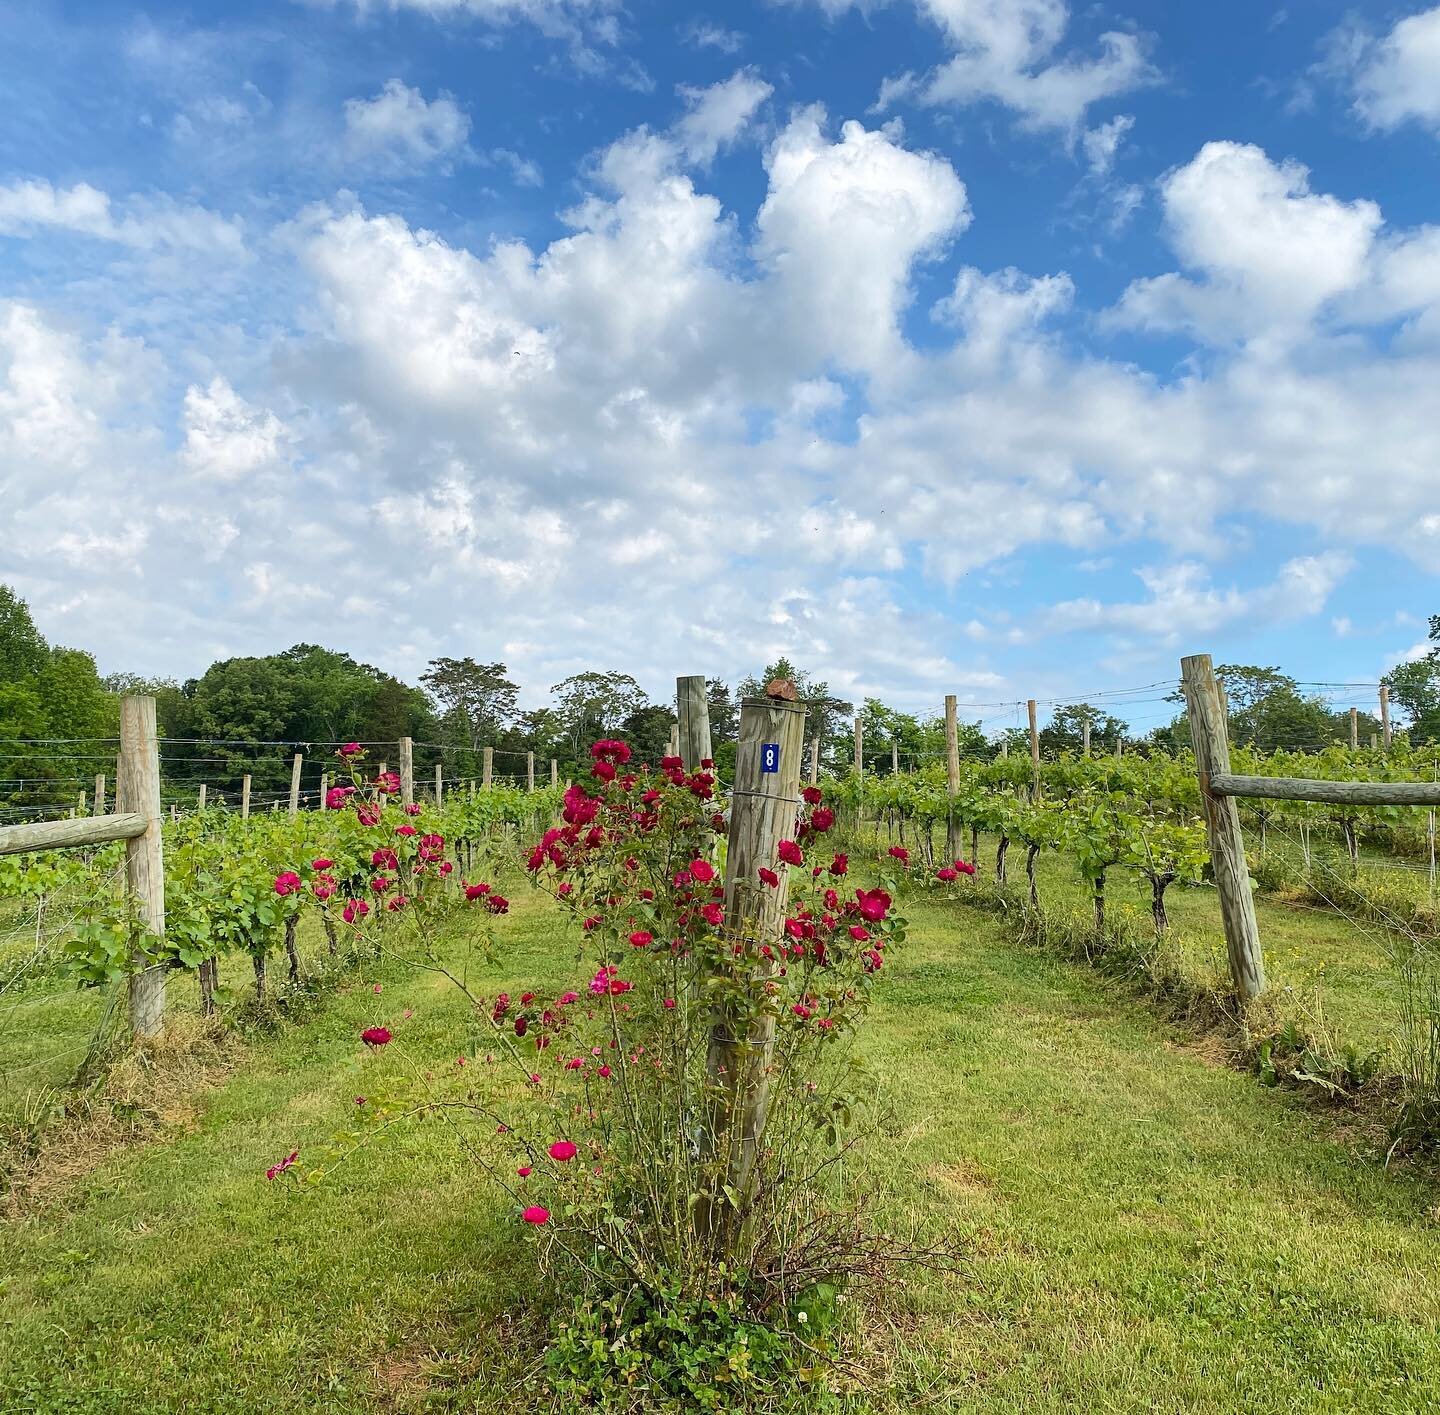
[[769, 756]]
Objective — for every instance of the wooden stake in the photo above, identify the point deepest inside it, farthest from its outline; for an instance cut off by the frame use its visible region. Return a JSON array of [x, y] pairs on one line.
[[137, 792], [1385, 714], [1374, 741], [763, 809], [952, 777], [1085, 738], [692, 710], [814, 760], [1222, 819], [1354, 729], [324, 790], [100, 794], [295, 784], [859, 747], [439, 786], [674, 740], [407, 772], [245, 797], [487, 770], [894, 757], [1034, 748], [554, 772], [200, 803], [529, 771]]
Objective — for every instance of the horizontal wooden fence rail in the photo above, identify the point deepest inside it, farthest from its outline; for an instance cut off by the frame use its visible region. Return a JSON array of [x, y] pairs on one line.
[[1345, 793], [61, 834]]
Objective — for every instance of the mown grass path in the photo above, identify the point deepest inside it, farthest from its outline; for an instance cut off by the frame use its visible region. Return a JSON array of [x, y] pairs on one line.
[[1148, 1231]]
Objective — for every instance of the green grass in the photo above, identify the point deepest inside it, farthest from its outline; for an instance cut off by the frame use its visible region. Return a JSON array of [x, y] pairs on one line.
[[1146, 1231], [1334, 974]]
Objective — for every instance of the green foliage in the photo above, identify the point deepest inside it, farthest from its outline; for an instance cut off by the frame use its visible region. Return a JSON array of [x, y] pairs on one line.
[[651, 1348]]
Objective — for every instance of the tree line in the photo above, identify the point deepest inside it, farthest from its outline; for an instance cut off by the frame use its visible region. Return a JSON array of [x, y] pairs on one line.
[[242, 715]]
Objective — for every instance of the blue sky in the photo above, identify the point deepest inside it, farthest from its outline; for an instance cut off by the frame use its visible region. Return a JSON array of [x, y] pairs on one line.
[[1002, 347]]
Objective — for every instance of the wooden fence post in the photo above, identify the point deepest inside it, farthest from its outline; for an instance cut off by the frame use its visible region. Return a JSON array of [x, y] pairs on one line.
[[554, 772], [407, 772], [1374, 741], [487, 770], [1085, 738], [692, 709], [674, 750], [324, 790], [439, 785], [953, 834], [295, 784], [1222, 820], [763, 808], [245, 797], [529, 771], [814, 760], [1385, 714], [137, 791], [1354, 729], [859, 747], [100, 794], [1034, 748], [200, 800]]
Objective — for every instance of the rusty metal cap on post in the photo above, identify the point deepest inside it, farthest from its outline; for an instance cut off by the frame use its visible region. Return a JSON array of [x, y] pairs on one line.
[[783, 690]]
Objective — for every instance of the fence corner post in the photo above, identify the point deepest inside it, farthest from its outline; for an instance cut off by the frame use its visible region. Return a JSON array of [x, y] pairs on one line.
[[1222, 822]]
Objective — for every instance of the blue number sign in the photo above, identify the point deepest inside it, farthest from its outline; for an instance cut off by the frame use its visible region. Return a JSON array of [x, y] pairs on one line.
[[769, 756]]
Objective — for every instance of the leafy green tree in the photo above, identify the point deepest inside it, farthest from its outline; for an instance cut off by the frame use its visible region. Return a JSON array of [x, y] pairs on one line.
[[593, 705], [647, 730], [476, 700], [1065, 731], [1415, 686], [724, 713], [23, 649]]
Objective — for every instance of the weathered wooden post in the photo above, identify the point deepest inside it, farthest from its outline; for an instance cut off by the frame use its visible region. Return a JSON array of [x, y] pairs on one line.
[[554, 772], [1034, 748], [952, 778], [859, 747], [137, 792], [1374, 741], [295, 784], [674, 740], [100, 794], [200, 800], [407, 772], [1222, 820], [245, 797], [764, 805], [439, 785], [487, 769], [1085, 738], [815, 759], [529, 771], [1385, 714], [1354, 729], [692, 711], [894, 756]]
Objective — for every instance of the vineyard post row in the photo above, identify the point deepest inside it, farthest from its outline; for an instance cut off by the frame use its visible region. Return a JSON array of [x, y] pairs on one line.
[[1219, 789]]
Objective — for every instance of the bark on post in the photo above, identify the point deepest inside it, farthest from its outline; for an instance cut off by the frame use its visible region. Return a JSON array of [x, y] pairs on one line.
[[764, 806], [1354, 729], [1385, 714], [952, 778], [245, 797], [487, 768], [529, 771], [407, 772], [295, 784], [1034, 749], [692, 707], [1222, 820], [137, 791]]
